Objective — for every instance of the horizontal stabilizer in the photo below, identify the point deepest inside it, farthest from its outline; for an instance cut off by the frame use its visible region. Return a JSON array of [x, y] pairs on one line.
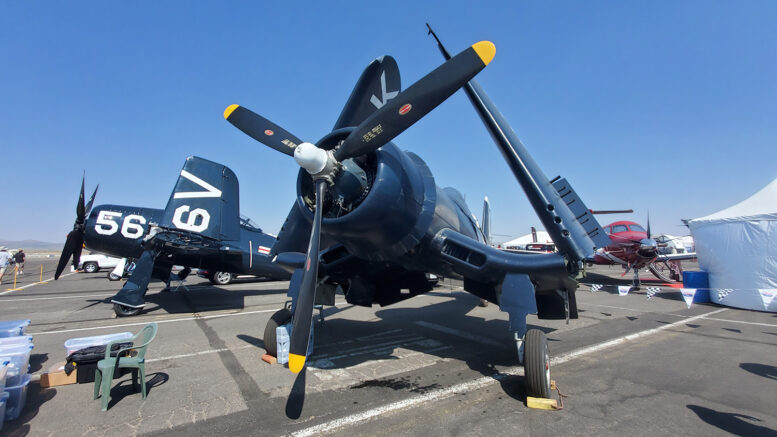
[[205, 200], [582, 214]]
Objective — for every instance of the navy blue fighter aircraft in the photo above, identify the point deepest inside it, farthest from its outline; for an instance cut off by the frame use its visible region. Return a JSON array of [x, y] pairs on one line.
[[374, 221], [201, 227]]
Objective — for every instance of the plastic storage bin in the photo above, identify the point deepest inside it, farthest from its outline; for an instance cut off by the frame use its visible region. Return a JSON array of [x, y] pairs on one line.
[[3, 371], [19, 357], [75, 344], [19, 339], [12, 328], [700, 281], [17, 397], [3, 402]]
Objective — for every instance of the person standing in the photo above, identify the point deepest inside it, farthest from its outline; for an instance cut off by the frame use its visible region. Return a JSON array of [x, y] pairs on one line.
[[19, 259], [5, 259]]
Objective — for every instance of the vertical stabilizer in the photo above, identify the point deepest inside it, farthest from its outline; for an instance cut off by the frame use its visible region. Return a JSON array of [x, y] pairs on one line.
[[486, 223], [205, 201]]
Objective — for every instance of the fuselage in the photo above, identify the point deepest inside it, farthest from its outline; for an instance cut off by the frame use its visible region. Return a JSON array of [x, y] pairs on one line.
[[117, 230]]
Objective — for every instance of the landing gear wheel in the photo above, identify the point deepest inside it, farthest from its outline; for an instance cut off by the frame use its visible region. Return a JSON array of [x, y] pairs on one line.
[[91, 267], [537, 364], [279, 318], [221, 278], [125, 311], [663, 271]]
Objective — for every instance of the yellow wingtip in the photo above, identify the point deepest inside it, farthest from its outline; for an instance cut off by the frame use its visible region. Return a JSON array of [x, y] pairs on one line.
[[296, 362], [486, 50], [230, 109]]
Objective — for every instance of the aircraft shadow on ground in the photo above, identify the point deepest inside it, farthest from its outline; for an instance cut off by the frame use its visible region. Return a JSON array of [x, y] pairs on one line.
[[733, 423], [335, 337], [764, 370]]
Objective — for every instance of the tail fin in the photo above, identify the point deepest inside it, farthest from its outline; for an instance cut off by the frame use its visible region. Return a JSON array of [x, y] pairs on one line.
[[205, 200], [486, 223]]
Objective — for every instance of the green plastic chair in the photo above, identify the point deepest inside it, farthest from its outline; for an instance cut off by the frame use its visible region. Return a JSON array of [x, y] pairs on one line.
[[103, 376]]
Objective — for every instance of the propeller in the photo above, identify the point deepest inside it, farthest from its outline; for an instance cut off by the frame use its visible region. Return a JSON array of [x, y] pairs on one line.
[[75, 238], [380, 127]]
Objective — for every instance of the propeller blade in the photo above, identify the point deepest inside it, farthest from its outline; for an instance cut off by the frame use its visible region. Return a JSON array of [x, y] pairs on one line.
[[74, 241], [131, 294], [303, 311], [611, 211], [88, 207], [412, 104], [261, 129], [80, 209], [649, 235]]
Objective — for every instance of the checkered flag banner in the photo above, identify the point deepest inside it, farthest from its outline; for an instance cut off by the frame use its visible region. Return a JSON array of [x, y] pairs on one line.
[[596, 287], [723, 292], [652, 291]]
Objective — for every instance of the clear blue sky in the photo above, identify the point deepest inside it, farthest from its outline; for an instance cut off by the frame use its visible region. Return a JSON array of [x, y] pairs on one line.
[[669, 106]]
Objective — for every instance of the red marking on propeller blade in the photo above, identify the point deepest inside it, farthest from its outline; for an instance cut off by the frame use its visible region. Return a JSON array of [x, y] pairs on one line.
[[307, 264], [405, 109], [269, 133]]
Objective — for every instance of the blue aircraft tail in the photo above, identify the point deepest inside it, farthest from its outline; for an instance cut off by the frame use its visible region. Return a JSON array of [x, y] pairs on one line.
[[205, 201]]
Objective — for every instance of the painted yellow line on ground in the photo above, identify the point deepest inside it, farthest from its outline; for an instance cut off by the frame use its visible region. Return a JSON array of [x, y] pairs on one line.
[[337, 424]]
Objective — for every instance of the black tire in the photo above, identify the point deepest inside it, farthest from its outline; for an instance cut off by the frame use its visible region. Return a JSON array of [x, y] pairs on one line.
[[279, 318], [221, 278], [663, 271], [112, 277], [536, 359], [91, 267], [125, 311]]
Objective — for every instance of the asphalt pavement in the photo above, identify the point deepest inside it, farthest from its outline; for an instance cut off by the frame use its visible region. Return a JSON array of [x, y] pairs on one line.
[[437, 364]]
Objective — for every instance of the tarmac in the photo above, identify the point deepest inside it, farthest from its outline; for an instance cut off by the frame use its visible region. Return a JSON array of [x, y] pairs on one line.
[[437, 364]]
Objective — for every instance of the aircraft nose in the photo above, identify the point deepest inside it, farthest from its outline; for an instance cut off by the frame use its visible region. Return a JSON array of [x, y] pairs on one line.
[[648, 245]]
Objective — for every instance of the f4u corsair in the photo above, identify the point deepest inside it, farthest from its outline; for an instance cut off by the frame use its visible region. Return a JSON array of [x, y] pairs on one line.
[[200, 227], [383, 222]]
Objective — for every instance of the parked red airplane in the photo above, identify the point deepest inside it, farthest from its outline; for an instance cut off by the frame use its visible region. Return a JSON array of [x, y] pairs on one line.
[[634, 249]]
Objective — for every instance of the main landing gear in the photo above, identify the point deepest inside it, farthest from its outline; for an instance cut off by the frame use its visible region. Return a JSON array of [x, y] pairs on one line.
[[533, 353]]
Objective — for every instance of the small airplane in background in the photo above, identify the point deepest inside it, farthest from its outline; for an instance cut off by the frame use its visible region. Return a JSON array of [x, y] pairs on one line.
[[634, 248], [201, 227]]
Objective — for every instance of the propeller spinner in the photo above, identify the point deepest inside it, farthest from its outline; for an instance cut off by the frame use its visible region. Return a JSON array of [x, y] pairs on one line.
[[379, 128]]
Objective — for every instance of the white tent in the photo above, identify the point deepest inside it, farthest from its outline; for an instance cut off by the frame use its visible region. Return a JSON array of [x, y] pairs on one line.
[[736, 247], [522, 241]]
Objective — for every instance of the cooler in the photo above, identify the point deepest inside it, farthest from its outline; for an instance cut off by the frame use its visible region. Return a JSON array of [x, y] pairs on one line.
[[19, 339], [3, 402], [3, 371], [75, 344], [19, 357], [17, 397], [12, 328], [700, 281]]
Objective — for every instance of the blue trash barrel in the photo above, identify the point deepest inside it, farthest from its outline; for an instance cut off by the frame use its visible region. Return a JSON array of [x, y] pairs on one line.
[[701, 282]]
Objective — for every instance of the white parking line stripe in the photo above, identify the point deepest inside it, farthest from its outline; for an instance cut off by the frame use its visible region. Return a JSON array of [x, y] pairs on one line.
[[743, 322], [184, 319], [336, 424], [54, 298], [206, 352], [462, 334], [36, 283]]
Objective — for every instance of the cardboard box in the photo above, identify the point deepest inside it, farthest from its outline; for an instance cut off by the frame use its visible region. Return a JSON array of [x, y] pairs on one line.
[[56, 376]]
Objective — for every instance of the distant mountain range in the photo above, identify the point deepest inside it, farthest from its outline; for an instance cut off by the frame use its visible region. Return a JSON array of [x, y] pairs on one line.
[[30, 244]]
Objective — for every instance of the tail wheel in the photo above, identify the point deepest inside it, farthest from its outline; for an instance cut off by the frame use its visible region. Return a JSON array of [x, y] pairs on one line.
[[125, 311], [279, 318], [537, 364]]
